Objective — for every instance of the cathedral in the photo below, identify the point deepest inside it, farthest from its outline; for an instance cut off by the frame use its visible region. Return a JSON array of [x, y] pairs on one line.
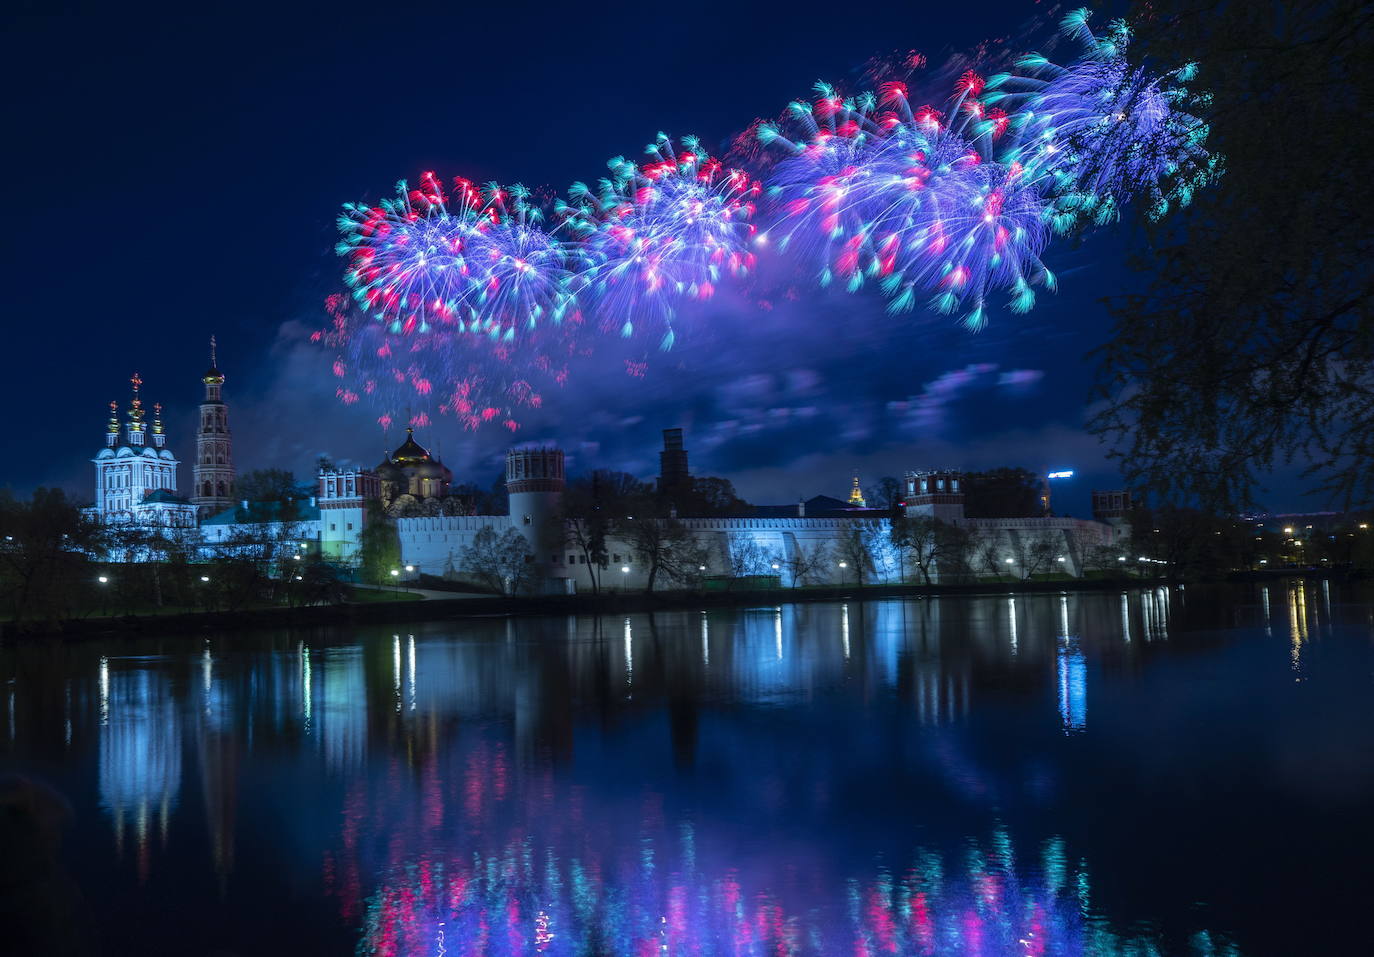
[[135, 473], [411, 476]]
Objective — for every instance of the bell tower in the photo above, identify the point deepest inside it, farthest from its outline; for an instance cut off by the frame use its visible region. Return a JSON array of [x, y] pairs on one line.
[[212, 488]]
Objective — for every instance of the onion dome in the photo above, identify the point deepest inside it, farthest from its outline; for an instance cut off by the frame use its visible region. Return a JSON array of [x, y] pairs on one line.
[[389, 471], [411, 453]]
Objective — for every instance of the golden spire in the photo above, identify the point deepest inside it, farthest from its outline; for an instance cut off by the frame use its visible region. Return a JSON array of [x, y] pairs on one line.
[[856, 497], [157, 417], [136, 406]]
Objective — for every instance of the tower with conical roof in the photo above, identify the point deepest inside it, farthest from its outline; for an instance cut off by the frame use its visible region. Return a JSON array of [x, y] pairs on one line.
[[212, 489]]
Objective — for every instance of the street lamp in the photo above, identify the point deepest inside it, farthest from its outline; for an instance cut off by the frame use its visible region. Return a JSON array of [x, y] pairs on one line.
[[205, 578], [410, 568], [103, 580], [624, 572]]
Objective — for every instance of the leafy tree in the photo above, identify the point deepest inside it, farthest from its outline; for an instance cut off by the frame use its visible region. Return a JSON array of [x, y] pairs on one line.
[[500, 562], [379, 548], [709, 497], [1002, 493], [1253, 346], [266, 485], [45, 549]]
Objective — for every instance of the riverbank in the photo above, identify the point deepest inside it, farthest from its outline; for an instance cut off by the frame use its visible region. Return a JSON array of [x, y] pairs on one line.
[[464, 606]]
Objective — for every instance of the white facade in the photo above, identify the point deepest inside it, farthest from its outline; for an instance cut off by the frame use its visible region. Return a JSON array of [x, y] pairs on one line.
[[136, 474]]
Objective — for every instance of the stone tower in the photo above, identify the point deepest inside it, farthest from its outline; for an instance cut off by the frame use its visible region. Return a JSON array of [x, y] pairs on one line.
[[212, 489], [935, 494], [534, 481]]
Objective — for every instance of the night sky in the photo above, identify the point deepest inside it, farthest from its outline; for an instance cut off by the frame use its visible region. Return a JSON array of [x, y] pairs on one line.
[[176, 176]]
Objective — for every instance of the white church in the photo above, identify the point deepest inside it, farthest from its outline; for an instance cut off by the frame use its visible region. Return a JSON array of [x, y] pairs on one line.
[[136, 483]]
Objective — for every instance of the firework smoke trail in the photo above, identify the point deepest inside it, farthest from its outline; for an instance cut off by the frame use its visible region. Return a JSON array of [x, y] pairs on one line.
[[1101, 132], [877, 190], [660, 232]]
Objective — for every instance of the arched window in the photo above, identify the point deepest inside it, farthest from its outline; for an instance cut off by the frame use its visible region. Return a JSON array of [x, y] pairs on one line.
[[206, 490], [222, 490], [219, 459]]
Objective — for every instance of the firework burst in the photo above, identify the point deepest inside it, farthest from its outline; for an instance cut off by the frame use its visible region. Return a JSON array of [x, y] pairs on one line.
[[660, 232], [1102, 132], [877, 190]]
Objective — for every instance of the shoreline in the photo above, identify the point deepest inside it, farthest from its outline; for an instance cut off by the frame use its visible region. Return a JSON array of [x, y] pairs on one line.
[[460, 608]]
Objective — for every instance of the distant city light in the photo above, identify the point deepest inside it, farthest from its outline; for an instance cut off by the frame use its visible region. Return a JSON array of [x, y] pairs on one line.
[[1067, 473]]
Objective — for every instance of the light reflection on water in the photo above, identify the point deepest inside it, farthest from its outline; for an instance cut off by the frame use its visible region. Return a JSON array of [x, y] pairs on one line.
[[867, 778]]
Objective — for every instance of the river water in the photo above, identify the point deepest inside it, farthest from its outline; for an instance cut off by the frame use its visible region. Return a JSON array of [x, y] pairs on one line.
[[1163, 771]]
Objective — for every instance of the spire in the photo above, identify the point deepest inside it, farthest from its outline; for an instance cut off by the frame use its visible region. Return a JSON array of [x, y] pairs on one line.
[[159, 439], [213, 377], [136, 404], [112, 427], [856, 496], [136, 426]]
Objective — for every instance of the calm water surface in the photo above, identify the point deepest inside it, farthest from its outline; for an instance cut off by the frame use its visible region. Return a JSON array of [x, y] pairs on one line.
[[1162, 772]]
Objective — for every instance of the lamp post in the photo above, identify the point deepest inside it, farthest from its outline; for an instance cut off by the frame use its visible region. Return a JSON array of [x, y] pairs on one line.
[[104, 595], [396, 580], [843, 566], [624, 573]]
